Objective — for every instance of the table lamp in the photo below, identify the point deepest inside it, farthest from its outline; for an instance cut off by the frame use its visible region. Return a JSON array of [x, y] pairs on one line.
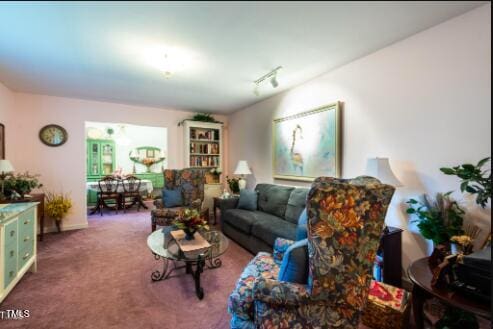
[[242, 169], [380, 168], [6, 169]]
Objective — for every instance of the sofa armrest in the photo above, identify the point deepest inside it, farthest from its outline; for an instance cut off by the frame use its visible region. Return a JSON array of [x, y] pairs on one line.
[[279, 249], [280, 292], [226, 204]]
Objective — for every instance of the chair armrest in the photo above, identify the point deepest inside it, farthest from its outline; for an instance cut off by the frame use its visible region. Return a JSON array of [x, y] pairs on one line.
[[279, 249], [158, 203], [280, 292], [226, 204]]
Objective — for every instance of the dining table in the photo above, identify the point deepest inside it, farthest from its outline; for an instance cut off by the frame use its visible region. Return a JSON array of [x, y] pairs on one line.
[[145, 187]]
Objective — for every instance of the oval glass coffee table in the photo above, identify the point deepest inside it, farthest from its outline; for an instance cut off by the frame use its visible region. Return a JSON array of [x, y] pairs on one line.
[[165, 248]]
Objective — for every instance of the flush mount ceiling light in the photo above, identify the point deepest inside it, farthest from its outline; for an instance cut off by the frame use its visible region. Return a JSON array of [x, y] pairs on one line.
[[169, 60], [271, 76]]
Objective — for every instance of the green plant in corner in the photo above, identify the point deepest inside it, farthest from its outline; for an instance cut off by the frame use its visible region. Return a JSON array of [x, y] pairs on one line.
[[474, 180], [57, 206], [438, 220]]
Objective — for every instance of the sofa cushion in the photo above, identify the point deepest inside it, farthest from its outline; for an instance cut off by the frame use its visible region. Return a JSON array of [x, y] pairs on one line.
[[273, 199], [248, 200], [267, 228], [294, 266], [296, 204], [240, 219]]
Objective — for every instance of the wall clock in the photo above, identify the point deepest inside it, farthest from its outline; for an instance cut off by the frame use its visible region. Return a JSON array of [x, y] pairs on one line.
[[53, 135]]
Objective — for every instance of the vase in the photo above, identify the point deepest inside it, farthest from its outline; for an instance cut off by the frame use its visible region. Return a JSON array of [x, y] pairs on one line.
[[58, 223], [189, 234]]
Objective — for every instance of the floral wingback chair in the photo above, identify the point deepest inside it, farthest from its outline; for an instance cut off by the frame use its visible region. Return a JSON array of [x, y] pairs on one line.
[[191, 183], [345, 221]]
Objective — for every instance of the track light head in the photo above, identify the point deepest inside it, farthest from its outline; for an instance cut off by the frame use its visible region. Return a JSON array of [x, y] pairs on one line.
[[255, 90], [274, 82], [271, 76]]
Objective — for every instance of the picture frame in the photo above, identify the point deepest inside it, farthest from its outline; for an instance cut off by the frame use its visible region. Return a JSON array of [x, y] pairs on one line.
[[2, 141], [308, 144]]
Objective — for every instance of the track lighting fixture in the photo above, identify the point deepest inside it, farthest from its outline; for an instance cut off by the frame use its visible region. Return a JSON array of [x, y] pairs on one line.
[[271, 76]]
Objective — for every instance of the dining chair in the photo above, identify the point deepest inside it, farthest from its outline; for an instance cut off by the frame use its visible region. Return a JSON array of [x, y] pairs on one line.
[[131, 189], [108, 190]]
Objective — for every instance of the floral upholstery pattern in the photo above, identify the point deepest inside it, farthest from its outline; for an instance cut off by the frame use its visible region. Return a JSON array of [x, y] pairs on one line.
[[345, 220], [191, 182]]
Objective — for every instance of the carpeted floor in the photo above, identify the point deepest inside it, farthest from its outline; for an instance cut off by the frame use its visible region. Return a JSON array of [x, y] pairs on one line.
[[100, 278]]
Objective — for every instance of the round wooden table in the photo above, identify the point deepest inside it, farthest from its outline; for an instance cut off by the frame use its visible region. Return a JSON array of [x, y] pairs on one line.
[[420, 274]]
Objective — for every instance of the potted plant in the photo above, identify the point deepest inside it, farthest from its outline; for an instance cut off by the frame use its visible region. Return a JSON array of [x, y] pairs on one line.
[[190, 220], [18, 185], [233, 184], [475, 180], [57, 207], [438, 220], [216, 172]]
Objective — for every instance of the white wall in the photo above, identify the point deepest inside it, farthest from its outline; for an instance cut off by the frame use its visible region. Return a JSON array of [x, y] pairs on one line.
[[64, 168], [424, 102]]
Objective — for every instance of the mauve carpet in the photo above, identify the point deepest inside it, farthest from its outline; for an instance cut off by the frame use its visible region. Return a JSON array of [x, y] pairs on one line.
[[100, 278]]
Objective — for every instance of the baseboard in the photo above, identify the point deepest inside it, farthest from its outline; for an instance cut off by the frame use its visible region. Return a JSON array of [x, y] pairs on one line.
[[66, 227]]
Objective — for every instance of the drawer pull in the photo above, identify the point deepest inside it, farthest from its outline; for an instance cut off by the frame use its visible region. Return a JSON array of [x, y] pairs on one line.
[[27, 238], [27, 222], [12, 253], [11, 274], [12, 233], [26, 256]]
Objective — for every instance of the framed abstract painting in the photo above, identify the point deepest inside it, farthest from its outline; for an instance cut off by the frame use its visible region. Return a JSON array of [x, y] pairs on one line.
[[308, 145]]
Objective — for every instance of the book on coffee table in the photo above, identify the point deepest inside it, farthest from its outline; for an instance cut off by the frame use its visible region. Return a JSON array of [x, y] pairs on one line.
[[190, 247]]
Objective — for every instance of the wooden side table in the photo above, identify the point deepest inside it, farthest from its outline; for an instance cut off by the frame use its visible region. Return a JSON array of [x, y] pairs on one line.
[[217, 205], [391, 248], [34, 197], [420, 274]]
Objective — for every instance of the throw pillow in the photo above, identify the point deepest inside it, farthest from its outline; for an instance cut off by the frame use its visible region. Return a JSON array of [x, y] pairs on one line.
[[294, 267], [248, 200], [302, 229], [172, 198]]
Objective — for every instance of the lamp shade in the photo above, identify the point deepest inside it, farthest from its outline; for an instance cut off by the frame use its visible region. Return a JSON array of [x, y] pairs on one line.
[[380, 168], [242, 168], [6, 167]]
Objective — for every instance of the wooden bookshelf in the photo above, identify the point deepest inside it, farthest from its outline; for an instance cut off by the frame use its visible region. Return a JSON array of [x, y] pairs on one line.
[[203, 144]]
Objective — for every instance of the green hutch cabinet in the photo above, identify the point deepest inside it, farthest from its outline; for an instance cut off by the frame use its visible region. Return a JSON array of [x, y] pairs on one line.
[[100, 162]]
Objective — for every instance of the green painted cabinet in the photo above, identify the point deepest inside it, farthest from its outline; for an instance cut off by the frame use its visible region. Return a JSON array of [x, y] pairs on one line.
[[100, 157]]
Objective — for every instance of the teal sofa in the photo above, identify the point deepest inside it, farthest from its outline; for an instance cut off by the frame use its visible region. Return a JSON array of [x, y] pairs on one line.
[[276, 216]]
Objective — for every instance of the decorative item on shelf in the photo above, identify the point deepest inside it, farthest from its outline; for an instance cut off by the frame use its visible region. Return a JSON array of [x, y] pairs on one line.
[[18, 185], [57, 207], [190, 221], [438, 221], [147, 156], [202, 117], [461, 244], [233, 184], [110, 132], [6, 170], [242, 169], [474, 180], [216, 174]]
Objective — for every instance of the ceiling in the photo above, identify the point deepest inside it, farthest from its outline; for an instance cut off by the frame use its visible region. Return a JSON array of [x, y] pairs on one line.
[[98, 50]]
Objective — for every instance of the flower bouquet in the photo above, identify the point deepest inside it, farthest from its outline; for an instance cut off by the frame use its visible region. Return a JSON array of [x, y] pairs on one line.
[[148, 162], [57, 206], [190, 220]]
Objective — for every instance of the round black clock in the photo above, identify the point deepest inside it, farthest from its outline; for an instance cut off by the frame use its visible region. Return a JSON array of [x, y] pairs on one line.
[[53, 135]]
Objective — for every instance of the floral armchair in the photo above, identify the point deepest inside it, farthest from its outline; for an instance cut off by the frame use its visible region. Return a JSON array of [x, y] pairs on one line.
[[191, 182], [345, 220]]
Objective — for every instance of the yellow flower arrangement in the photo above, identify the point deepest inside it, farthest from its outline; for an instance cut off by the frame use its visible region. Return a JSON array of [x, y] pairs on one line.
[[57, 206], [463, 240]]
